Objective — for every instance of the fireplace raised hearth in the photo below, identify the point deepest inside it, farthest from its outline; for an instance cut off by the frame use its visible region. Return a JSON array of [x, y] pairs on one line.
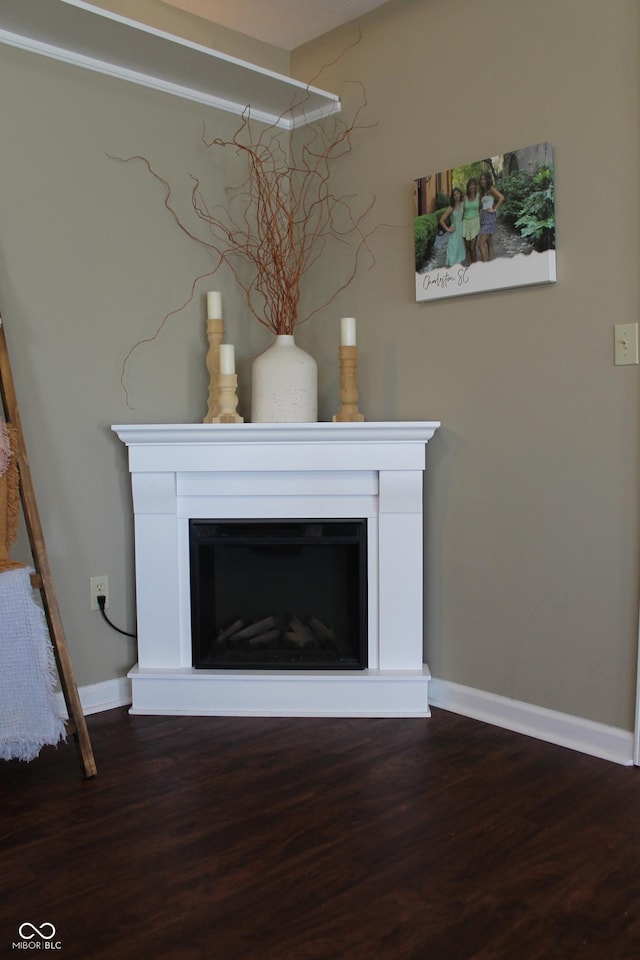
[[310, 481]]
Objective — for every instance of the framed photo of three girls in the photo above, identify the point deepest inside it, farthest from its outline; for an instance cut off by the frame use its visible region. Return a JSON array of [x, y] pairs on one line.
[[486, 225]]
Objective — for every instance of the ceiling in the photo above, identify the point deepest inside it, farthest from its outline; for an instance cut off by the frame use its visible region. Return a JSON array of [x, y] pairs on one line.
[[282, 23]]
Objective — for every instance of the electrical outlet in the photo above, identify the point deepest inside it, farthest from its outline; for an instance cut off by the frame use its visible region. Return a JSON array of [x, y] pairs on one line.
[[99, 588]]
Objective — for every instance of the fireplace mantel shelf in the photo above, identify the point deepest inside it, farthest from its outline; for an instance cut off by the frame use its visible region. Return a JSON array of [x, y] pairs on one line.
[[208, 433], [265, 471]]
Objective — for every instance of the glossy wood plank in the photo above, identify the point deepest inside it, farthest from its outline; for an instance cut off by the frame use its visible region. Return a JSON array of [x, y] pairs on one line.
[[313, 839]]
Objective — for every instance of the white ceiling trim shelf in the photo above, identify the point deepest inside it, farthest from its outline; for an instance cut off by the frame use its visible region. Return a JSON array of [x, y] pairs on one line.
[[79, 33]]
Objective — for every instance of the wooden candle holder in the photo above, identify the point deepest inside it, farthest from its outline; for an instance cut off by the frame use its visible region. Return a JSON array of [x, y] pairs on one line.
[[348, 386], [215, 334], [227, 399]]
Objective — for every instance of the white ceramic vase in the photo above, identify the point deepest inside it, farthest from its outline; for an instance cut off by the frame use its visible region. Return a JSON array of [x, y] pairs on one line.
[[284, 382]]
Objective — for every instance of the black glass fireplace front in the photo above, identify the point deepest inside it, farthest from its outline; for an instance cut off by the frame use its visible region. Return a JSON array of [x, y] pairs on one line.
[[279, 594]]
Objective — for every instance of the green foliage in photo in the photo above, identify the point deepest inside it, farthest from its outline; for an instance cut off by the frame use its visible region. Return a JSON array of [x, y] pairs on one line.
[[461, 175], [425, 230], [529, 206]]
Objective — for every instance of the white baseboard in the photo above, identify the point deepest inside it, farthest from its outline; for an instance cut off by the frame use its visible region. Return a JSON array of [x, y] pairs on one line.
[[97, 697], [563, 729]]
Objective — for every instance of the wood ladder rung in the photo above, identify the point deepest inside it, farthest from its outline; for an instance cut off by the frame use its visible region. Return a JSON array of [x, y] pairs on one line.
[[42, 579]]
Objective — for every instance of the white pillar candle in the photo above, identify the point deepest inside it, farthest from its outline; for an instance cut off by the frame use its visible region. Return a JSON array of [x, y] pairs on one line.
[[348, 331], [227, 358], [214, 305]]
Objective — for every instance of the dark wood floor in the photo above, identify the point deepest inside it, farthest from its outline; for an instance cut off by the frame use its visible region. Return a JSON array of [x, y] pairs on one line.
[[273, 839]]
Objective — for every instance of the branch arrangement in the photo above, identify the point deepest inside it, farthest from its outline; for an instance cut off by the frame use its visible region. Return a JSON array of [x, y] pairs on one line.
[[281, 219], [278, 221]]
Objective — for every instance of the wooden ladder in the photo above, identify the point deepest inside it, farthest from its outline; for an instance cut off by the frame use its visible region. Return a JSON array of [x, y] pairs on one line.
[[42, 579]]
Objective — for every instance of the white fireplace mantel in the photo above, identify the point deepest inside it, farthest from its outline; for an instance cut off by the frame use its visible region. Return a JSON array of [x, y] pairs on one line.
[[274, 471]]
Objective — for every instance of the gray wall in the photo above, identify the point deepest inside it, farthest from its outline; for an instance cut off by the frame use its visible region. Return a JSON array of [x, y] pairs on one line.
[[532, 540], [90, 263], [532, 496]]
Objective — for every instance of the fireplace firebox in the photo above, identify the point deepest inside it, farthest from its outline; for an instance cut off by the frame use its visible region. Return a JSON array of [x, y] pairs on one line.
[[279, 594]]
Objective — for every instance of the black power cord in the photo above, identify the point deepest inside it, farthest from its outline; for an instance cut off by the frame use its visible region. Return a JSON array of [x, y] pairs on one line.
[[101, 603]]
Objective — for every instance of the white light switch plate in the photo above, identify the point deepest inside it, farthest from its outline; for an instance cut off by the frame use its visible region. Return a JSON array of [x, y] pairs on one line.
[[626, 343]]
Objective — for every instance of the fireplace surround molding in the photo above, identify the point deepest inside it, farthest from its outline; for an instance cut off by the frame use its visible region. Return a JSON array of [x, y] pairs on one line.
[[371, 471]]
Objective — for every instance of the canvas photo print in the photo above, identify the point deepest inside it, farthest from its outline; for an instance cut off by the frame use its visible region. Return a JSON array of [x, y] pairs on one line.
[[486, 225]]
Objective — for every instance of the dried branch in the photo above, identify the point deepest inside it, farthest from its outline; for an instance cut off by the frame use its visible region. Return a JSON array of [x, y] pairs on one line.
[[280, 220], [167, 316]]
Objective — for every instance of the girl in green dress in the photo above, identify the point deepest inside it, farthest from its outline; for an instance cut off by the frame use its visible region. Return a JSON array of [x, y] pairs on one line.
[[455, 243], [471, 219]]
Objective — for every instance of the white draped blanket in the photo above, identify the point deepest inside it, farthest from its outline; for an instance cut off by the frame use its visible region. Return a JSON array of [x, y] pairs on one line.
[[29, 717]]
